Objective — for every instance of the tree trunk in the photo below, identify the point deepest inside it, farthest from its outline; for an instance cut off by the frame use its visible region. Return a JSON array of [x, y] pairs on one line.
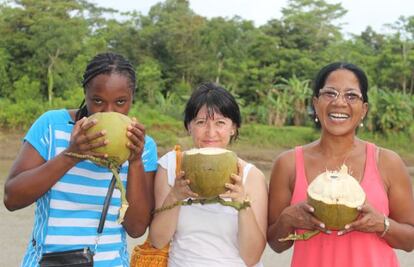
[[50, 80]]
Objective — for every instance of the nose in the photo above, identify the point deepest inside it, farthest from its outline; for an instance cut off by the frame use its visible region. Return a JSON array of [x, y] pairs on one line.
[[340, 99], [109, 108], [210, 128]]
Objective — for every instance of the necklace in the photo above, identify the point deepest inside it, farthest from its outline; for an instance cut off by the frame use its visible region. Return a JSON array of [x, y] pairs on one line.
[[343, 162]]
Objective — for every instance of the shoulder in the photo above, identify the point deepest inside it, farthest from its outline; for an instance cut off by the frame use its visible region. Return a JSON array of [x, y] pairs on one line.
[[149, 142], [391, 166], [389, 160], [167, 159], [388, 156], [51, 116], [49, 119], [255, 182], [253, 171], [285, 160]]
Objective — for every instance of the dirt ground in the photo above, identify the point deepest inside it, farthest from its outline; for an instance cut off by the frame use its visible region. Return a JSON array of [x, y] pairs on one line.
[[15, 227]]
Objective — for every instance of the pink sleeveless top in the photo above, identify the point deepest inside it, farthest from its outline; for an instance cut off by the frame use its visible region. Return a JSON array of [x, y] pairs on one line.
[[354, 249]]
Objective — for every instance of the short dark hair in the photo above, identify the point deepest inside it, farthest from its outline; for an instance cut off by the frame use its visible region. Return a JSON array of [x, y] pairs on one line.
[[106, 63], [216, 99], [323, 74]]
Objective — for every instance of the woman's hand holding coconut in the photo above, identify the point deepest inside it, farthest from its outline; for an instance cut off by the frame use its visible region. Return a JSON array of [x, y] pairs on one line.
[[301, 217], [84, 143], [136, 135], [235, 190], [181, 189], [369, 221]]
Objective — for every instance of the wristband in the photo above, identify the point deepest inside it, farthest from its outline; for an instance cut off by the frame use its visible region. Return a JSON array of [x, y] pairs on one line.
[[386, 226]]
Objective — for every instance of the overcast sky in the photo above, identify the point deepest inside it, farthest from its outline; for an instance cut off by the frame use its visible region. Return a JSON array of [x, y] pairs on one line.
[[361, 13]]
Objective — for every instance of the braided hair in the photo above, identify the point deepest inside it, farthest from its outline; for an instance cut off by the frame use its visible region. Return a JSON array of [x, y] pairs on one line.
[[105, 63]]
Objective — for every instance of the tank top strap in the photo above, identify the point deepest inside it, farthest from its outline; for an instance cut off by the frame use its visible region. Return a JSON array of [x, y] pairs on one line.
[[246, 170], [299, 192], [371, 170]]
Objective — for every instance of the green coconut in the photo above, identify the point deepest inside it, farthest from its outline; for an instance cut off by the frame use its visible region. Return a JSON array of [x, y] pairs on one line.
[[335, 196], [115, 124], [208, 170]]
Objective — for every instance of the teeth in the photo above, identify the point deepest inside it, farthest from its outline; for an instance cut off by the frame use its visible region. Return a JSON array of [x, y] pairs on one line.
[[339, 115]]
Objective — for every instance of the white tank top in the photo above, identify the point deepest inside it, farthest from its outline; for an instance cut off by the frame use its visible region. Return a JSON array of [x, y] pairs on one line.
[[206, 235]]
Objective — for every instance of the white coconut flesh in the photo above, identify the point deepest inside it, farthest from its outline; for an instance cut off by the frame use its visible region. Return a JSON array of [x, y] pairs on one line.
[[337, 187], [207, 151]]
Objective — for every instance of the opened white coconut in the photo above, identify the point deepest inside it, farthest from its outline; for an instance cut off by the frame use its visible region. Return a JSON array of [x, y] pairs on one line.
[[335, 196], [208, 169]]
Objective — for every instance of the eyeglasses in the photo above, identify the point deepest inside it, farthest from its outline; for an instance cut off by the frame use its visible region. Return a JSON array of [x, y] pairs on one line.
[[217, 123], [331, 94]]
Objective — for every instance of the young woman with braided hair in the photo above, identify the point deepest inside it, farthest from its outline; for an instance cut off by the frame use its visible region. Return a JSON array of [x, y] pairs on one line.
[[69, 192]]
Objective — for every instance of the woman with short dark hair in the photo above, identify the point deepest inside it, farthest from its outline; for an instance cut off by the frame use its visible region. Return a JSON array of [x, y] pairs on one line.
[[210, 234]]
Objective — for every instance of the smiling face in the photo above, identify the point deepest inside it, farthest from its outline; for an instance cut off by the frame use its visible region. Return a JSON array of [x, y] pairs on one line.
[[340, 115], [109, 92], [211, 131]]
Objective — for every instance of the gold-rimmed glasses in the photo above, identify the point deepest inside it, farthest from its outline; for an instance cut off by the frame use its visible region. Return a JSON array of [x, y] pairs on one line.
[[330, 94]]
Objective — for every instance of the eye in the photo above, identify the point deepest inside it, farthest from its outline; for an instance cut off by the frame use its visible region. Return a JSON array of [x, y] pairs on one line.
[[199, 122], [352, 96], [330, 94], [121, 102], [97, 101]]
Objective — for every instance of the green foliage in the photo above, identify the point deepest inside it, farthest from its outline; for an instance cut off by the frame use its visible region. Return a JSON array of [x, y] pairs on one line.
[[20, 115], [25, 89], [46, 45], [150, 81], [277, 137], [390, 111]]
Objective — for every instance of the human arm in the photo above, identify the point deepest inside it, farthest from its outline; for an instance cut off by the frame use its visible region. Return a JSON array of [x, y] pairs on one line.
[[164, 223], [401, 204], [31, 175], [283, 218], [140, 184], [252, 222]]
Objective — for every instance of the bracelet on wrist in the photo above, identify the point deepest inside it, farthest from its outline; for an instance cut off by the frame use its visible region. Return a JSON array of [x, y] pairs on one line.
[[386, 226]]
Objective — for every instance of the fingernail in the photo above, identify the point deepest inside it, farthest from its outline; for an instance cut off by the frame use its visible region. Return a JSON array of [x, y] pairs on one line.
[[359, 208], [340, 232], [311, 209], [347, 226], [328, 232], [322, 225]]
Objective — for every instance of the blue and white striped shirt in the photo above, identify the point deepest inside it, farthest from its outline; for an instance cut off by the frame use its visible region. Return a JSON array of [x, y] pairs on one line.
[[67, 216]]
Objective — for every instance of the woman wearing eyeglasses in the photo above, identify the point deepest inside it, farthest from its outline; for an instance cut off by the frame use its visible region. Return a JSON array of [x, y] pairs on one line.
[[386, 220]]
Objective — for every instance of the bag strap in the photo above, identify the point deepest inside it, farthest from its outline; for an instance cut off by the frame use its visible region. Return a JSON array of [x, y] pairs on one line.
[[106, 205]]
